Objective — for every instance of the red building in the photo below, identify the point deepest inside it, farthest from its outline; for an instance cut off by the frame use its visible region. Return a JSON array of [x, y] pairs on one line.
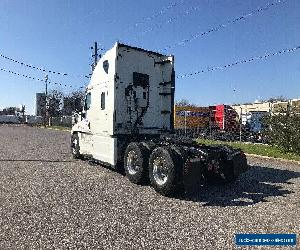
[[224, 117]]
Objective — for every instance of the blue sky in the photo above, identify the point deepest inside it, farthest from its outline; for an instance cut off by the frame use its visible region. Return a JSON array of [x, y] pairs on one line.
[[57, 35]]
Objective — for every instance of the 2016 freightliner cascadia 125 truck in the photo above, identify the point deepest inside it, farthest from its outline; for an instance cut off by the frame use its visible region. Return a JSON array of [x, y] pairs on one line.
[[128, 123]]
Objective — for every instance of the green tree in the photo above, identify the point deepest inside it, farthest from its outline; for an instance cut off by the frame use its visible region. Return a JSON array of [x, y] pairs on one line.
[[283, 130]]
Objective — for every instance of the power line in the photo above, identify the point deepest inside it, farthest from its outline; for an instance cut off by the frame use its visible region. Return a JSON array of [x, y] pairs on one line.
[[221, 26], [43, 80], [32, 78], [22, 75], [155, 15], [39, 68], [209, 69], [170, 20], [161, 12]]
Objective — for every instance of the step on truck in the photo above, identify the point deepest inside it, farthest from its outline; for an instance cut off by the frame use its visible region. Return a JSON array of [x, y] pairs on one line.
[[127, 123]]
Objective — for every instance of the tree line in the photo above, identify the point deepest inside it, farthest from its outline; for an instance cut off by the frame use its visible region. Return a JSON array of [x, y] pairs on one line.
[[59, 104], [283, 130]]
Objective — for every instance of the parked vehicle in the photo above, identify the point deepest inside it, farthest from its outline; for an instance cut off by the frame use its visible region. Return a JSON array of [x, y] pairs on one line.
[[10, 119], [128, 123]]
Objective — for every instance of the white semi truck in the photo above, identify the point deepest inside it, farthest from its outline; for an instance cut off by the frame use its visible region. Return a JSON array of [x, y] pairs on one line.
[[128, 123]]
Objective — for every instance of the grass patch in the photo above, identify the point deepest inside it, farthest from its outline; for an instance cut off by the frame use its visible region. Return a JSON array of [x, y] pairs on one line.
[[257, 149]]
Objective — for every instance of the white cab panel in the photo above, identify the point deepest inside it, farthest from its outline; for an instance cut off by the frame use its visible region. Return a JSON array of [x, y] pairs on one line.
[[105, 149], [131, 92]]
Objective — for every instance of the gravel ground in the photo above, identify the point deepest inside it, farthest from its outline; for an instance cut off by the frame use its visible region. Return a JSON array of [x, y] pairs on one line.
[[49, 200]]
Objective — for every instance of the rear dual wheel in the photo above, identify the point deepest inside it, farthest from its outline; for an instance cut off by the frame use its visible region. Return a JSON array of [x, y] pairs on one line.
[[165, 171], [162, 167]]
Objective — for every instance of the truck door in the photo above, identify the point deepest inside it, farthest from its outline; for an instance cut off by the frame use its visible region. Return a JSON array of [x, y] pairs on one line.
[[101, 111], [104, 145], [86, 144]]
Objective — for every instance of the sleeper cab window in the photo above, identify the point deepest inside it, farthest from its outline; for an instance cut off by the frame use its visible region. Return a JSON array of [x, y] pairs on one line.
[[103, 100], [87, 103], [106, 66]]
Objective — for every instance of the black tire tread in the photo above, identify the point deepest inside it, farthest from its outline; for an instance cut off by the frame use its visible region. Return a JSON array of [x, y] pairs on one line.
[[142, 176], [174, 183]]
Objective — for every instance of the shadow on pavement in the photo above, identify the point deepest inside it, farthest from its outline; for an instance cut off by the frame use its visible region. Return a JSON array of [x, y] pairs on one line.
[[35, 160], [252, 187]]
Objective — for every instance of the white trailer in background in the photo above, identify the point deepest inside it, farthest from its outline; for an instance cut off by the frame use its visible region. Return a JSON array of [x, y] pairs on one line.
[[33, 119], [9, 119], [128, 122]]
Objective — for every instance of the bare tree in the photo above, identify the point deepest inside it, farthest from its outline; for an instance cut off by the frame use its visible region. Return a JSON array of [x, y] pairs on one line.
[[183, 102], [10, 111], [55, 98], [73, 102], [277, 99]]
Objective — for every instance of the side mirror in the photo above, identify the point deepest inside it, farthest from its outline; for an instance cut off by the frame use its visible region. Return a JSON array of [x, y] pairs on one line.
[[82, 115]]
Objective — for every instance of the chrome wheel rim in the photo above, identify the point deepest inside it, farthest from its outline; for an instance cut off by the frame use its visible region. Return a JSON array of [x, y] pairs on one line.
[[160, 172], [131, 163]]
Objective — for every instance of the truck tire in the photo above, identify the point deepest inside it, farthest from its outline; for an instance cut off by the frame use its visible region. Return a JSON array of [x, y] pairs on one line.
[[75, 146], [163, 172], [136, 158]]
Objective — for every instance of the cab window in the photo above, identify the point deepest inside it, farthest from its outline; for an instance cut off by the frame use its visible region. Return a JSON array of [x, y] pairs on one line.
[[87, 103], [103, 100]]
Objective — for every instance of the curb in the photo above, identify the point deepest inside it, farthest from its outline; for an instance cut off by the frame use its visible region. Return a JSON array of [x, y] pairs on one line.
[[273, 158]]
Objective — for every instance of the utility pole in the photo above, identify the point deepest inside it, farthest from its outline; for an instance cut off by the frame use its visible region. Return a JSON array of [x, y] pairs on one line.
[[95, 55], [185, 122], [46, 100], [46, 85], [23, 112], [241, 122], [210, 121]]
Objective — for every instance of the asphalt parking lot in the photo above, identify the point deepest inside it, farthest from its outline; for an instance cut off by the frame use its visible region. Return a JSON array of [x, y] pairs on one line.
[[50, 201]]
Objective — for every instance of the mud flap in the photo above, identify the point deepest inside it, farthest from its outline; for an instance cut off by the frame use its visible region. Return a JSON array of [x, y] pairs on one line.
[[193, 175], [235, 165], [239, 162]]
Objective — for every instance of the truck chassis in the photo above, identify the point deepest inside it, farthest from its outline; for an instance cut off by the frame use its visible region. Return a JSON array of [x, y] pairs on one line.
[[170, 164]]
